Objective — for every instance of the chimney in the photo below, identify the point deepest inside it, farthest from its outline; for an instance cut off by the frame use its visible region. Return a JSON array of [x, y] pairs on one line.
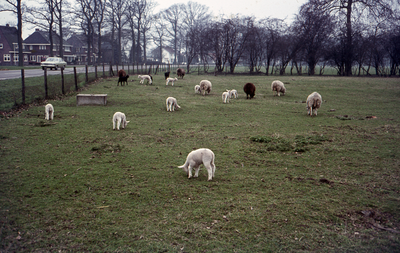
[[37, 30]]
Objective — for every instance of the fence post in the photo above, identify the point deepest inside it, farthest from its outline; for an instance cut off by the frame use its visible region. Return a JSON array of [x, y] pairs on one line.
[[133, 68], [45, 83], [95, 71], [23, 85], [86, 73], [104, 74], [62, 81], [76, 79]]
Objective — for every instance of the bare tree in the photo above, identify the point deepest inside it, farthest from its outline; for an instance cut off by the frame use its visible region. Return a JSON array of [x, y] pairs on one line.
[[87, 12], [315, 28], [99, 17], [345, 9], [117, 18], [159, 33], [43, 17], [15, 6], [173, 16]]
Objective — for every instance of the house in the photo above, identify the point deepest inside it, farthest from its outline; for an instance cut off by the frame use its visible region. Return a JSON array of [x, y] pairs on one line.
[[38, 44], [167, 54], [9, 46]]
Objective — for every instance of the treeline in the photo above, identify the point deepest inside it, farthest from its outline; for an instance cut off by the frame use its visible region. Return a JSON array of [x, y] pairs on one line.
[[354, 37]]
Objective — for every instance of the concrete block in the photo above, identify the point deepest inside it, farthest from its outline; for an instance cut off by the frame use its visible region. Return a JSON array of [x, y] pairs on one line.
[[91, 99]]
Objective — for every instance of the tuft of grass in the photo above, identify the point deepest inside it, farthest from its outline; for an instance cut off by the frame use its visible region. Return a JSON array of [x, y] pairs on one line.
[[284, 181]]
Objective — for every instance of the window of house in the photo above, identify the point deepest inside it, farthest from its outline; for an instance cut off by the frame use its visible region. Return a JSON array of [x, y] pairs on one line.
[[33, 57], [25, 58], [30, 47], [16, 58], [67, 49], [42, 47], [7, 58], [1, 45]]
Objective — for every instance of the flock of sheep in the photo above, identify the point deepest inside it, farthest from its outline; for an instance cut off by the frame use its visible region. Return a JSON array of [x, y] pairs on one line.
[[200, 156]]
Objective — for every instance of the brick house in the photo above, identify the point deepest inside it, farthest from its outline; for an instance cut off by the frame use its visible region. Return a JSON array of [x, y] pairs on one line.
[[38, 44], [9, 46]]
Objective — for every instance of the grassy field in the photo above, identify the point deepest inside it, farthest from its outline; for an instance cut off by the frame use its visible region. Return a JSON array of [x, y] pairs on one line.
[[285, 181]]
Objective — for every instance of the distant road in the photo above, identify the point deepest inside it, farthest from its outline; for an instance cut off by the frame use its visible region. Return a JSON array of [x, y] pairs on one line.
[[12, 74]]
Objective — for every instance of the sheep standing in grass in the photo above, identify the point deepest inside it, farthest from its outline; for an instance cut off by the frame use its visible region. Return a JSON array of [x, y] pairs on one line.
[[314, 101], [146, 77], [279, 87], [49, 112], [119, 119], [232, 93], [205, 86], [180, 72], [169, 79], [198, 157], [225, 96], [250, 90], [171, 104], [197, 89]]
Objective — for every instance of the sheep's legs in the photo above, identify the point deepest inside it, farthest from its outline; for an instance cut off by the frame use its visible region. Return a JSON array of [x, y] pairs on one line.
[[210, 169]]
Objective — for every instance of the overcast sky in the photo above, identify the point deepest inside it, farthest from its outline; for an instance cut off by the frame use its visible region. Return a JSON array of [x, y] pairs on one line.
[[258, 8]]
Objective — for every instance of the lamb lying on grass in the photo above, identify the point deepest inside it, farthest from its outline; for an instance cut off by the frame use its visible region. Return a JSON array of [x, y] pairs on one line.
[[197, 89], [198, 157], [205, 86], [279, 87], [314, 101], [49, 112], [171, 104], [225, 96], [169, 79], [119, 118], [146, 77], [232, 93]]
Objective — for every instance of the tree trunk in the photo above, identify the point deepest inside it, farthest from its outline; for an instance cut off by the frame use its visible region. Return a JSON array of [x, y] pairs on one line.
[[20, 49], [349, 47]]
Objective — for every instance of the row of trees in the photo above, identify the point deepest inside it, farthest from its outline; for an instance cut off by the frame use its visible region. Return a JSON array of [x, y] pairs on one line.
[[353, 36]]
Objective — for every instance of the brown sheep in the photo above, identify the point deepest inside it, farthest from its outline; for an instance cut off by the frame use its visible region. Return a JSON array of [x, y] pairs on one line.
[[250, 90], [180, 72], [121, 73]]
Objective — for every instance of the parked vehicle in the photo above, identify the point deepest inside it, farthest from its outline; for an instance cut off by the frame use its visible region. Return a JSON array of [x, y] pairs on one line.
[[53, 63]]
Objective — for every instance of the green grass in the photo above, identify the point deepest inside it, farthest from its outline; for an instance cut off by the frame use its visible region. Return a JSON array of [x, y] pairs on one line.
[[284, 181]]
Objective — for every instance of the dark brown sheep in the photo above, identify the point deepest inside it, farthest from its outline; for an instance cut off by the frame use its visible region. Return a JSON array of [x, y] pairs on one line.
[[121, 73], [180, 72], [250, 90]]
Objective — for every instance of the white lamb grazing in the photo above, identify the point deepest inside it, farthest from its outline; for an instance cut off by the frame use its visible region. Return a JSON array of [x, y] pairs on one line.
[[314, 101], [279, 87], [119, 118], [49, 112], [232, 93], [171, 104], [197, 89], [198, 157], [225, 96], [169, 79], [145, 77], [205, 85]]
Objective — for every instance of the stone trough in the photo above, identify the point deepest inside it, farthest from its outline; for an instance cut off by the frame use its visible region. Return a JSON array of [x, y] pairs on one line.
[[91, 99]]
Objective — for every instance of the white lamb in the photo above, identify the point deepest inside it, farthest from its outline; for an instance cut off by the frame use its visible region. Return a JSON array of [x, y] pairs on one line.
[[314, 101], [145, 77], [197, 89], [205, 85], [279, 87], [119, 118], [232, 93], [225, 96], [49, 112], [169, 79], [198, 157], [171, 104]]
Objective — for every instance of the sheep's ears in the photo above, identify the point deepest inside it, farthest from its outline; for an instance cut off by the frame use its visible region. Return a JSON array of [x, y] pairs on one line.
[[127, 122]]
